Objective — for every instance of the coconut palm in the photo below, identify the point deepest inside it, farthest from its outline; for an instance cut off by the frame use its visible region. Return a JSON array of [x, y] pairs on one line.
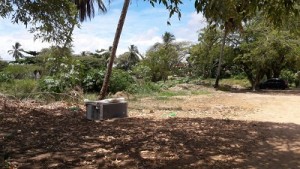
[[114, 49], [134, 55], [168, 38], [129, 59], [86, 8], [16, 51]]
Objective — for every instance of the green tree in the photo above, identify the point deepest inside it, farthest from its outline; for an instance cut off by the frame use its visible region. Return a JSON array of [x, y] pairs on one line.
[[203, 57], [16, 51], [162, 58], [161, 62], [228, 15], [266, 51]]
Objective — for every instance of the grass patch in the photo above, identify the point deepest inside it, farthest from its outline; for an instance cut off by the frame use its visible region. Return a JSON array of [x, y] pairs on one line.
[[241, 82], [225, 82], [91, 96], [172, 93], [200, 92], [19, 88]]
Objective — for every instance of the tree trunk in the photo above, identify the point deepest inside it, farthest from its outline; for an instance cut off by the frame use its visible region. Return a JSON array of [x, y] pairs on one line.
[[114, 50], [220, 58], [69, 36]]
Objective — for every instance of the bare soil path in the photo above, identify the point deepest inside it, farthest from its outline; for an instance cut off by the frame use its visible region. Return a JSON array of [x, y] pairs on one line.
[[211, 130], [268, 107]]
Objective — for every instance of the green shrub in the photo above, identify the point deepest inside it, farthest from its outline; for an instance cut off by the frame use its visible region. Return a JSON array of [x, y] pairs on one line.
[[21, 71], [143, 88], [240, 76], [3, 64], [4, 77], [89, 62], [60, 83], [120, 81], [64, 74], [51, 84], [297, 79], [289, 76], [142, 72], [93, 80], [20, 88]]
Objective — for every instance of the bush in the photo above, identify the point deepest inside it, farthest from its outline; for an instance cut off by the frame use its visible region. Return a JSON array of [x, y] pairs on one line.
[[297, 79], [143, 88], [4, 77], [64, 74], [20, 88], [142, 72], [289, 76], [21, 71], [93, 80], [89, 62], [3, 64], [120, 81], [61, 82], [51, 84]]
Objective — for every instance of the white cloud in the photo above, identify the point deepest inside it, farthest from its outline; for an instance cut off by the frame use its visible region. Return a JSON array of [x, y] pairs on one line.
[[12, 33], [143, 27], [189, 32]]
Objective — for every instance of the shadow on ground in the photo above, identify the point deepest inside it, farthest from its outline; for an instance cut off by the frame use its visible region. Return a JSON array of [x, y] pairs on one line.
[[63, 138]]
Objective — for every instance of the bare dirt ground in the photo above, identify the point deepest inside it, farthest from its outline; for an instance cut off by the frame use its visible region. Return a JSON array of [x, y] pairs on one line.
[[211, 130], [266, 106]]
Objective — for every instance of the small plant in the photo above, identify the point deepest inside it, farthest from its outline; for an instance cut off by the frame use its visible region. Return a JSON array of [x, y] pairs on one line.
[[4, 77]]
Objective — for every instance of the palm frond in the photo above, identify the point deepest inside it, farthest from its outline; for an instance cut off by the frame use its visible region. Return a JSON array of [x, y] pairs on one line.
[[86, 8]]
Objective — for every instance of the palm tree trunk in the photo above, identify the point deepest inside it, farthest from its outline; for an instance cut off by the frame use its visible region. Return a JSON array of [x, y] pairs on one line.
[[220, 59], [114, 50]]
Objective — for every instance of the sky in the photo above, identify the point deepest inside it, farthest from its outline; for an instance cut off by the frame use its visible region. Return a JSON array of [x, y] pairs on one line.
[[144, 26]]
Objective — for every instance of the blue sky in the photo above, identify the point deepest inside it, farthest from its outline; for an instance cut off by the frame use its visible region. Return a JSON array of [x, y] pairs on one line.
[[143, 27]]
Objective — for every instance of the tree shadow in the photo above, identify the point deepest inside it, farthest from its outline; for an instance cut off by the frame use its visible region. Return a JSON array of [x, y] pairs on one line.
[[62, 138]]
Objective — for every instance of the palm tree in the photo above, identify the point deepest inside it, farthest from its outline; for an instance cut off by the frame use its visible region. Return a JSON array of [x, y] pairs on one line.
[[16, 51], [129, 59], [32, 53], [168, 38], [114, 49], [86, 8], [134, 55], [227, 15]]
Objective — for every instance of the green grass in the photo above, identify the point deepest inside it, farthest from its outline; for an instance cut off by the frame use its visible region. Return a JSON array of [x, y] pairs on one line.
[[226, 82], [91, 96], [19, 88], [200, 92], [241, 82]]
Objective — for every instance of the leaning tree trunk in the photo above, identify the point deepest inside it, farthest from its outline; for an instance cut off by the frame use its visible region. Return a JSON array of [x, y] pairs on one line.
[[220, 58], [114, 50]]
